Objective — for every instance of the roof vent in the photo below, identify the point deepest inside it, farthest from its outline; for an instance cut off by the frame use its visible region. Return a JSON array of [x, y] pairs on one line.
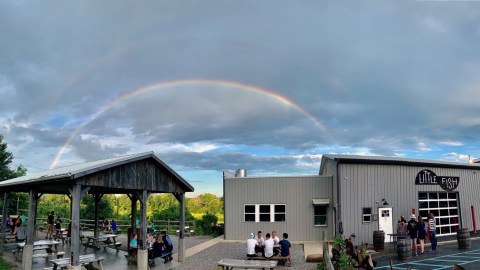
[[241, 173]]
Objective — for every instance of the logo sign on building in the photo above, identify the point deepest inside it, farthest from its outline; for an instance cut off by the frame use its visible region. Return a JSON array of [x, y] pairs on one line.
[[428, 177]]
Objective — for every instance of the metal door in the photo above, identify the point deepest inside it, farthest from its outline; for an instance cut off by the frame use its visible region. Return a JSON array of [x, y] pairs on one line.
[[385, 222]]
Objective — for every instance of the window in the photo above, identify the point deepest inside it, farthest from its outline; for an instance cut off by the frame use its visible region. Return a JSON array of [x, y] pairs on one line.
[[367, 215], [249, 213], [279, 213], [265, 212], [444, 206], [320, 215]]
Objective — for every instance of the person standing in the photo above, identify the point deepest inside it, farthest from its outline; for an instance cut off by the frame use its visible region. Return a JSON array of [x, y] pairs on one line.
[[113, 225], [251, 243], [50, 223], [402, 226], [421, 233], [58, 226], [432, 232], [412, 228]]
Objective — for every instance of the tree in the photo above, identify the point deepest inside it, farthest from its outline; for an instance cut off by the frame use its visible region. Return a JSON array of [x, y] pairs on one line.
[[17, 201], [87, 208], [6, 158], [171, 213]]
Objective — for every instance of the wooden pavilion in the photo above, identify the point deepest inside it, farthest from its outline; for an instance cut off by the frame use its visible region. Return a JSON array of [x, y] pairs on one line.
[[136, 175]]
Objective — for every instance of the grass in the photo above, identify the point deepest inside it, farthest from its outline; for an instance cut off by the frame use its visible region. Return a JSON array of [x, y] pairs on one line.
[[3, 265]]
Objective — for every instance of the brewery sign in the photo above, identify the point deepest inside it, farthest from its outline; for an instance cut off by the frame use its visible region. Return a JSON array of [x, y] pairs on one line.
[[428, 177]]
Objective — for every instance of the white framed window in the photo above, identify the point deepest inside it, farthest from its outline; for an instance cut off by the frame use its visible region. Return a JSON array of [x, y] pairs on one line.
[[320, 215], [366, 215], [264, 212], [444, 206]]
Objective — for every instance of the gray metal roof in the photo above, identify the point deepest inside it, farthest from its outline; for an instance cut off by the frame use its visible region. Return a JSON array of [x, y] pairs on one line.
[[398, 160], [82, 169]]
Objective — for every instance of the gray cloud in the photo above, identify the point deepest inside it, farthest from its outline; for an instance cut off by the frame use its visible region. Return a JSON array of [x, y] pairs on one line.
[[388, 78]]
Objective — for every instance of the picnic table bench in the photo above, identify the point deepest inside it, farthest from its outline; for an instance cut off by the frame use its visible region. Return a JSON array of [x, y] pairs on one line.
[[105, 240], [84, 260], [131, 258], [246, 264], [40, 245], [8, 237], [278, 258]]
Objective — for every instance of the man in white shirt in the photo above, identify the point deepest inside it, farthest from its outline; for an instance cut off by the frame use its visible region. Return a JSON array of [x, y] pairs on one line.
[[276, 241], [260, 242], [268, 246], [251, 243]]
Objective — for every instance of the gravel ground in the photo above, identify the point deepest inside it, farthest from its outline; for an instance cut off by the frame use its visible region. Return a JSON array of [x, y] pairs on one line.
[[208, 258]]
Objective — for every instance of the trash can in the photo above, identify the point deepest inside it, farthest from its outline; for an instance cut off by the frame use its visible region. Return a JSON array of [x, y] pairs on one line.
[[403, 247], [378, 240], [463, 238]]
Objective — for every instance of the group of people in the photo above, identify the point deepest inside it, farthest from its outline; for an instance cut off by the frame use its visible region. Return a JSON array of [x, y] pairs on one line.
[[416, 229], [160, 245], [269, 246]]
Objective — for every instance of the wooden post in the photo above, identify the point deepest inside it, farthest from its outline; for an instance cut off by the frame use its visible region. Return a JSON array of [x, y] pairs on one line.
[[142, 256], [97, 198], [4, 221], [76, 197], [28, 248], [181, 247]]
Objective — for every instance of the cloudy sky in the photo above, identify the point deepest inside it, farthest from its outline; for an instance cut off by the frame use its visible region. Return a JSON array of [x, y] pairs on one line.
[[268, 86]]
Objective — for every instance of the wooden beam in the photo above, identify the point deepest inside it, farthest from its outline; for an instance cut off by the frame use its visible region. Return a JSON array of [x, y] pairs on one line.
[[4, 220], [76, 193], [181, 247], [97, 198], [143, 218]]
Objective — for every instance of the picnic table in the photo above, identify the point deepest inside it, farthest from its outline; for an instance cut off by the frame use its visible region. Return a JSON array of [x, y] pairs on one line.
[[104, 240], [40, 245], [246, 264], [84, 260]]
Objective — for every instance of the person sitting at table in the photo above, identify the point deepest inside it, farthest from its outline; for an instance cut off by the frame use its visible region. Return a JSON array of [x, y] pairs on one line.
[[260, 242], [285, 248], [133, 245], [156, 251], [19, 233], [168, 244], [251, 243], [268, 250], [276, 240]]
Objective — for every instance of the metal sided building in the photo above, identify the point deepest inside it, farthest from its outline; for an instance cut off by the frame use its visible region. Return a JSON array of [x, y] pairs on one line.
[[353, 194], [370, 193], [297, 205]]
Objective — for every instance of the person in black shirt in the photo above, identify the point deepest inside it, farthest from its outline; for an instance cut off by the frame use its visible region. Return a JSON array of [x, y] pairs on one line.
[[412, 228]]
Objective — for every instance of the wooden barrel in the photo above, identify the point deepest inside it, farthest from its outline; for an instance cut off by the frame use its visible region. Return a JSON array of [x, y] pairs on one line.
[[403, 247], [463, 238], [378, 240]]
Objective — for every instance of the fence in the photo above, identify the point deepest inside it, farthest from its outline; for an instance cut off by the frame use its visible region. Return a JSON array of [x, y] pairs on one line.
[[170, 226]]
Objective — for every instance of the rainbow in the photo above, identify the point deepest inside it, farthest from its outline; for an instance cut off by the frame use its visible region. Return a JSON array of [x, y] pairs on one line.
[[157, 86]]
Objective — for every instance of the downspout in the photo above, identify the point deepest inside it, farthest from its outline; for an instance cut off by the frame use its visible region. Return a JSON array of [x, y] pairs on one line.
[[337, 204]]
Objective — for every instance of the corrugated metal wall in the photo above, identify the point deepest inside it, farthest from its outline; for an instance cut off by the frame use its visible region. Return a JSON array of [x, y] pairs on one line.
[[296, 192], [364, 184]]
